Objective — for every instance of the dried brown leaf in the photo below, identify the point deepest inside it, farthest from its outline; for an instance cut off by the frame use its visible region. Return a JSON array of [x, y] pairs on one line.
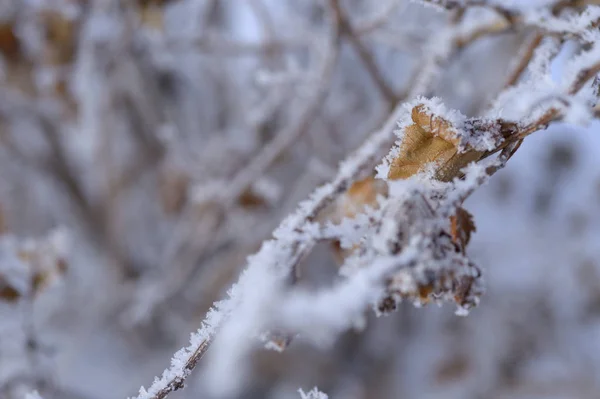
[[61, 37], [8, 293], [461, 228], [39, 281], [430, 139], [9, 43], [361, 194], [435, 125], [173, 187], [152, 12], [453, 369], [43, 273], [152, 16], [250, 199]]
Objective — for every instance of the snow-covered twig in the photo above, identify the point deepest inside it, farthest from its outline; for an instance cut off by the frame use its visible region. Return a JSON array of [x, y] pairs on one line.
[[277, 255], [296, 236]]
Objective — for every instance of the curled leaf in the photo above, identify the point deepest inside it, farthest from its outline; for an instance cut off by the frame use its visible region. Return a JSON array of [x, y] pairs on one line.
[[430, 139], [461, 228]]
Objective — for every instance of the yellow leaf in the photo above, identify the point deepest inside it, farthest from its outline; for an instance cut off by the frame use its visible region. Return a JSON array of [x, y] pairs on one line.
[[361, 194], [430, 139]]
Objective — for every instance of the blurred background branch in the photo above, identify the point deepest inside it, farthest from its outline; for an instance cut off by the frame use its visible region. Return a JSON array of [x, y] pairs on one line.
[[168, 138]]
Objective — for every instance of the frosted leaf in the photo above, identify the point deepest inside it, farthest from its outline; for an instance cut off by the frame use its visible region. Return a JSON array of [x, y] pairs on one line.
[[439, 142]]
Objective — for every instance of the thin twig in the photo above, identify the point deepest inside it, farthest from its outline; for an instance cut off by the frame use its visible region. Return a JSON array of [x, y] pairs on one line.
[[364, 54], [375, 22], [227, 47], [524, 59]]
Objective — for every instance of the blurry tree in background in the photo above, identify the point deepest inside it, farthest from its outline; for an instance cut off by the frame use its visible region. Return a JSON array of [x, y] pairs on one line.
[[148, 147]]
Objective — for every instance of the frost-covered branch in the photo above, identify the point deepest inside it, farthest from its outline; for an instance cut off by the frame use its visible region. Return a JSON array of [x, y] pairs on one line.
[[173, 137], [277, 256], [465, 140]]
